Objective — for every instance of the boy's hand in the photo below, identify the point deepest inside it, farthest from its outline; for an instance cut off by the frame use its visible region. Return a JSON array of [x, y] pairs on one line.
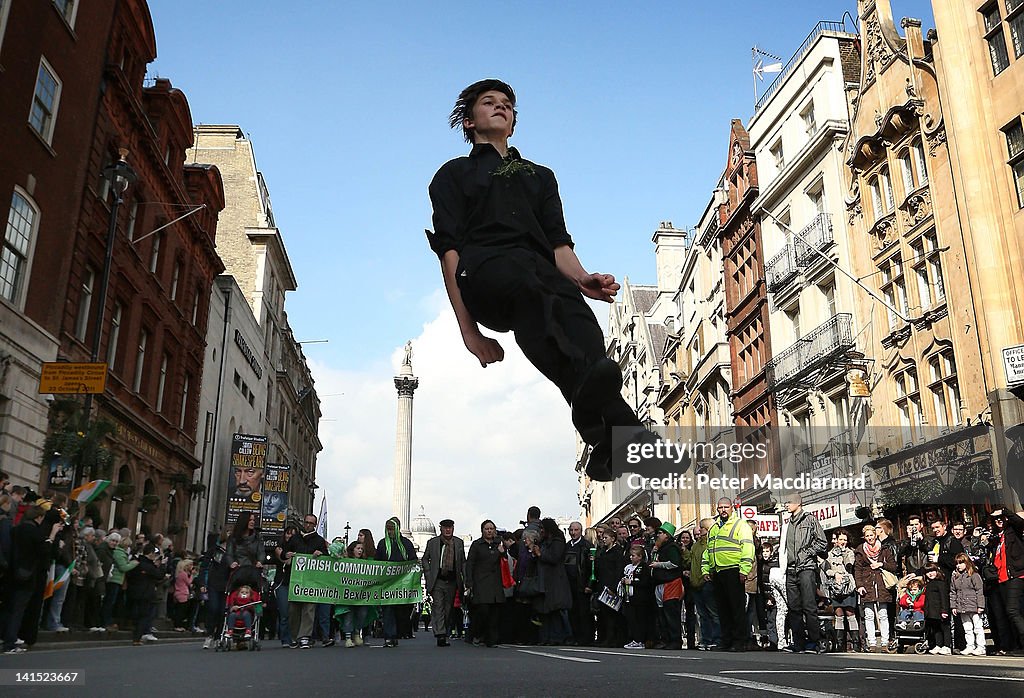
[[601, 287], [485, 349]]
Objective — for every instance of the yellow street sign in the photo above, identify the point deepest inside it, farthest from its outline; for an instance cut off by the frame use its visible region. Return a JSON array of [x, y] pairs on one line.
[[63, 378]]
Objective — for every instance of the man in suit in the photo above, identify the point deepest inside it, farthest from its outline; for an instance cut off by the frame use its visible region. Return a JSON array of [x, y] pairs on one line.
[[444, 562]]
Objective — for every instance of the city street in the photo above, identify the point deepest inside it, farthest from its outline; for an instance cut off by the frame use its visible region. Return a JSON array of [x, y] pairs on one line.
[[419, 668]]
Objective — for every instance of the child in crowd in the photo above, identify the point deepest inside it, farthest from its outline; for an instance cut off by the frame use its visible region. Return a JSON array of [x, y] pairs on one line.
[[936, 610], [637, 598], [242, 606], [912, 602], [967, 600]]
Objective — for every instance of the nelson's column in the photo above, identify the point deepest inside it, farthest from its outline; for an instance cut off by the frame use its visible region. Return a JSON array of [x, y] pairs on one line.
[[406, 384]]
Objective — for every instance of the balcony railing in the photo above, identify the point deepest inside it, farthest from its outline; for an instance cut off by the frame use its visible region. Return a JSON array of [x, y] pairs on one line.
[[814, 236], [780, 269], [822, 344]]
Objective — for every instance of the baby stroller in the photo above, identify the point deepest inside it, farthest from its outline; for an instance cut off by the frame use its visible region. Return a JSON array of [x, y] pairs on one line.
[[910, 632], [234, 637], [827, 640]]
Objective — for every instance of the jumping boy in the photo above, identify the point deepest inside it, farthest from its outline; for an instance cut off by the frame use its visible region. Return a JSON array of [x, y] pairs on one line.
[[508, 264]]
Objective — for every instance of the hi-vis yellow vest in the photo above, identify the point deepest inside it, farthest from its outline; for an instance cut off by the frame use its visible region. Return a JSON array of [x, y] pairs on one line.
[[729, 545]]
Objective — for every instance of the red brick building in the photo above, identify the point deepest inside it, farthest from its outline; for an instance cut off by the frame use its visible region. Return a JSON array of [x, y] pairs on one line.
[[51, 63], [154, 328], [746, 301]]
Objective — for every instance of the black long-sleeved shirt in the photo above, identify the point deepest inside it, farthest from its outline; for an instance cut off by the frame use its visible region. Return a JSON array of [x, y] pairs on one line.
[[484, 204]]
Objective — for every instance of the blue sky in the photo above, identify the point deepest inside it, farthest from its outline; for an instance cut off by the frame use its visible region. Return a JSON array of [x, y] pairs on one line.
[[347, 105]]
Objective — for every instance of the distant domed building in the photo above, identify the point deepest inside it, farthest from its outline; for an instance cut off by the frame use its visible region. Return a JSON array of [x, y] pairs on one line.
[[422, 530]]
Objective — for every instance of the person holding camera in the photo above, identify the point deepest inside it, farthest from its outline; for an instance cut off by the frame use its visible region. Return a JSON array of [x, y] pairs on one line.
[[914, 553]]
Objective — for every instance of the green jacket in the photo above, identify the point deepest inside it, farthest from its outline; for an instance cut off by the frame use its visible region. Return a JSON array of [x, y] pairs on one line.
[[730, 545], [697, 562], [121, 566]]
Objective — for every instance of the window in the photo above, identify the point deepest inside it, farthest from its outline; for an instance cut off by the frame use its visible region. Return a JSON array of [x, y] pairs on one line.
[[1016, 32], [68, 9], [908, 403], [85, 304], [140, 361], [175, 276], [5, 9], [840, 411], [778, 157], [794, 321], [829, 292], [995, 38], [115, 333], [133, 215], [876, 197], [895, 290], [922, 166], [1015, 147], [883, 178], [817, 199], [154, 253], [45, 100], [907, 172], [161, 384], [810, 125], [195, 305], [945, 389], [21, 226], [183, 413]]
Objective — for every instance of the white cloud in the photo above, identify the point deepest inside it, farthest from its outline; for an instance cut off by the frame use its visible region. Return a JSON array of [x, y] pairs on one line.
[[487, 443]]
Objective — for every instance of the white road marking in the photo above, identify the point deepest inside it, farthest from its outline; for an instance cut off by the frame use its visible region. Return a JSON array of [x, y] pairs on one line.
[[936, 673], [758, 686], [561, 656], [638, 653], [786, 671]]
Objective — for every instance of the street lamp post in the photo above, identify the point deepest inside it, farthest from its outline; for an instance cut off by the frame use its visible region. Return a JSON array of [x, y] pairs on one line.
[[348, 528], [120, 175]]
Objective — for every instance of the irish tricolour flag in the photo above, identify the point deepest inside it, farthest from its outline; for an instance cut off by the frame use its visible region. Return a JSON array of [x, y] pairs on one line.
[[89, 491], [53, 585]]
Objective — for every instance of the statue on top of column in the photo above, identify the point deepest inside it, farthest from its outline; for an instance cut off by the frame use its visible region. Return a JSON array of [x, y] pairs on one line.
[[407, 361]]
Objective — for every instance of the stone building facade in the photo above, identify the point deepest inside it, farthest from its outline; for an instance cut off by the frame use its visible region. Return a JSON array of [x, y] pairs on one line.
[[255, 255], [154, 331], [929, 443], [979, 64], [797, 134], [53, 61]]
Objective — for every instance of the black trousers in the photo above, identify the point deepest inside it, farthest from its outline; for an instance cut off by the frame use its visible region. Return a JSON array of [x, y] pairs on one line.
[[524, 293], [803, 606], [581, 618], [486, 619], [731, 597], [670, 631], [22, 608]]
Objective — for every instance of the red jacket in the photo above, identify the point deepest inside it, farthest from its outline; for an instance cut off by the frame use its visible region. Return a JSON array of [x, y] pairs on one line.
[[918, 604], [235, 600]]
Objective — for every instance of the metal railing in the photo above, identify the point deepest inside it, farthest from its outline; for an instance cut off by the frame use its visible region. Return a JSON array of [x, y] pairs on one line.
[[819, 28], [826, 341], [816, 235], [783, 266], [780, 269]]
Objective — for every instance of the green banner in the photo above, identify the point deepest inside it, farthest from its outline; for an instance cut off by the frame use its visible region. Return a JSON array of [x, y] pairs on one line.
[[342, 580]]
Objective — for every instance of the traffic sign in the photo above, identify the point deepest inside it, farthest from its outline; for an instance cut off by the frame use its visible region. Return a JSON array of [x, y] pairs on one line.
[[748, 512], [64, 378]]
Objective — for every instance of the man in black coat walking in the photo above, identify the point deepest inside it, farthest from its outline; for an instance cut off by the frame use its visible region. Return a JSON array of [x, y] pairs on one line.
[[31, 554]]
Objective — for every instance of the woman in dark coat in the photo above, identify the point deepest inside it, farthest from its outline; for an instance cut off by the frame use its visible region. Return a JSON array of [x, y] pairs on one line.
[[483, 584], [608, 568], [869, 559], [554, 604], [244, 555]]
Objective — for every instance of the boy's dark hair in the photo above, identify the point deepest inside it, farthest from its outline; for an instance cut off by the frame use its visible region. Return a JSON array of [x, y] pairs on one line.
[[533, 513], [467, 99]]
